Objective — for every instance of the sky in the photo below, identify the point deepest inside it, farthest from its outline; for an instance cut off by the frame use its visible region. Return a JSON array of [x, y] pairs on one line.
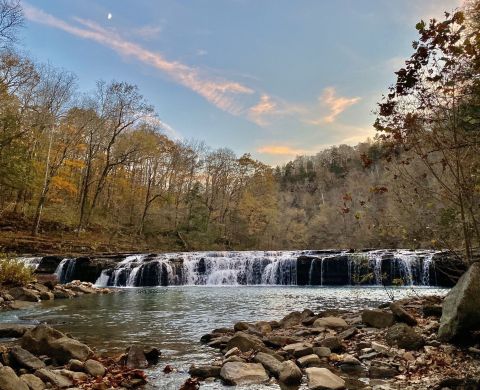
[[274, 78]]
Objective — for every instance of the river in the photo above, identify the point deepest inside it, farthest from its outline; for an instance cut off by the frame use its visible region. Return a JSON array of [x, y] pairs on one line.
[[174, 318]]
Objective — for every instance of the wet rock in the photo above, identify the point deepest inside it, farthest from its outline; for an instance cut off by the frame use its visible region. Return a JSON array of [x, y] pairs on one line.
[[219, 342], [461, 307], [291, 319], [377, 318], [94, 368], [241, 326], [309, 361], [10, 381], [236, 373], [382, 372], [152, 355], [290, 374], [245, 342], [33, 382], [13, 330], [263, 327], [44, 340], [402, 315], [24, 359], [232, 352], [46, 296], [351, 365], [271, 364], [136, 357], [323, 379], [280, 341], [332, 342], [20, 305], [234, 359], [299, 349], [322, 351], [331, 322], [205, 371], [54, 378], [62, 293], [404, 336], [24, 294]]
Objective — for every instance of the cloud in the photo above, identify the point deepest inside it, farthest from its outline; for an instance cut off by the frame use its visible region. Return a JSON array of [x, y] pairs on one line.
[[147, 32], [201, 52], [222, 93], [335, 105], [266, 106], [280, 150]]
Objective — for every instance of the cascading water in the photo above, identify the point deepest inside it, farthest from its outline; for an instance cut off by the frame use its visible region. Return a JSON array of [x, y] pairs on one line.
[[31, 262], [267, 268], [65, 270]]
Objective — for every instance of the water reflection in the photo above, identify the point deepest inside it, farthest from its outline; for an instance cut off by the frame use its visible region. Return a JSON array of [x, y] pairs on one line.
[[174, 318]]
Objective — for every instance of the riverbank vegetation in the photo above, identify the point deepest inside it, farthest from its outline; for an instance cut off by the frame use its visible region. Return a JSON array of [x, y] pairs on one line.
[[96, 171]]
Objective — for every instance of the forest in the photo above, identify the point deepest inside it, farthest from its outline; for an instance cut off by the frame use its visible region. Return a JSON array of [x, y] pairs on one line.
[[98, 169]]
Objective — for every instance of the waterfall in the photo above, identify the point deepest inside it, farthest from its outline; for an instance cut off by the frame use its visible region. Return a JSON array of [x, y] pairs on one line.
[[31, 262], [65, 270], [266, 268]]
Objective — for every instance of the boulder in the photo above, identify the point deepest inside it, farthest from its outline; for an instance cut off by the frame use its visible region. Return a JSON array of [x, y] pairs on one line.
[[136, 357], [404, 336], [76, 365], [382, 372], [331, 322], [333, 343], [94, 368], [24, 294], [402, 315], [46, 295], [263, 327], [292, 319], [290, 374], [299, 349], [245, 342], [206, 371], [10, 381], [432, 310], [236, 373], [377, 318], [322, 351], [232, 352], [323, 379], [241, 326], [44, 340], [33, 382], [309, 361], [54, 378], [13, 330], [271, 364], [347, 334], [20, 305], [152, 355], [461, 307], [23, 359]]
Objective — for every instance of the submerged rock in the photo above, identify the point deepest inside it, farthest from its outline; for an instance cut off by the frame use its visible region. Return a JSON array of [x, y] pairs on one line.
[[461, 307], [236, 373]]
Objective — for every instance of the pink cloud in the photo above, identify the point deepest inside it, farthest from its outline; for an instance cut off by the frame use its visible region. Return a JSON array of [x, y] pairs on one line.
[[335, 104]]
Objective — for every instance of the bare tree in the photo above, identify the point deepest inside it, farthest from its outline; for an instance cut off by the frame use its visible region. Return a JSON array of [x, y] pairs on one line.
[[11, 19]]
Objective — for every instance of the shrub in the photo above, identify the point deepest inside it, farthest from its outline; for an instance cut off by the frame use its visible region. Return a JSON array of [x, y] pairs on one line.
[[14, 272]]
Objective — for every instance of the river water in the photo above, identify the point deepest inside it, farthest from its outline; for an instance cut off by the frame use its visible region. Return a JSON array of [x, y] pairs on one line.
[[174, 318]]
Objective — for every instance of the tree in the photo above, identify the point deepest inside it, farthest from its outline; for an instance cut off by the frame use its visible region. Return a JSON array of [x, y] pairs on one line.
[[11, 18]]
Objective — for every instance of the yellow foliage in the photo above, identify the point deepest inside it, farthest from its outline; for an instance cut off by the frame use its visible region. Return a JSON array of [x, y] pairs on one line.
[[62, 184], [14, 272]]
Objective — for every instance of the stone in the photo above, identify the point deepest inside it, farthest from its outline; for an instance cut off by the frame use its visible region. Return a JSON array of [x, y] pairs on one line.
[[10, 381], [323, 379], [309, 361], [245, 342], [232, 352], [280, 341], [461, 306], [205, 371], [380, 348], [54, 378], [432, 311], [76, 365], [402, 315], [332, 342], [404, 336], [152, 355], [40, 287], [20, 305], [241, 326], [330, 322], [299, 349], [73, 375], [291, 319], [24, 294], [382, 372], [62, 293], [44, 340], [24, 359], [263, 327], [290, 374], [271, 364], [347, 334], [33, 382], [234, 359], [94, 368], [136, 357], [322, 351], [377, 318], [13, 330], [46, 296], [236, 373]]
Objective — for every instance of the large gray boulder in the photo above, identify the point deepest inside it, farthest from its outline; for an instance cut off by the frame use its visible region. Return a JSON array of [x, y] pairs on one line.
[[270, 363], [236, 373], [24, 359], [290, 374], [378, 318], [10, 381], [330, 322], [24, 294], [461, 307], [246, 342], [44, 340], [323, 379], [33, 382]]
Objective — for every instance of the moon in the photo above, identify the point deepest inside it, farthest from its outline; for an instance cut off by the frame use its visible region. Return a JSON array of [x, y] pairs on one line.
[[109, 16]]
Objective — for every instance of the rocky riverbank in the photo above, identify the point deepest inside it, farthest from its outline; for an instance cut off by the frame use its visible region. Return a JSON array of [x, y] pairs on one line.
[[402, 345]]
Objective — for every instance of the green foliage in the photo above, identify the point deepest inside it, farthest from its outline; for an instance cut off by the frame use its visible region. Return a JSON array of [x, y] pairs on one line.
[[14, 272]]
